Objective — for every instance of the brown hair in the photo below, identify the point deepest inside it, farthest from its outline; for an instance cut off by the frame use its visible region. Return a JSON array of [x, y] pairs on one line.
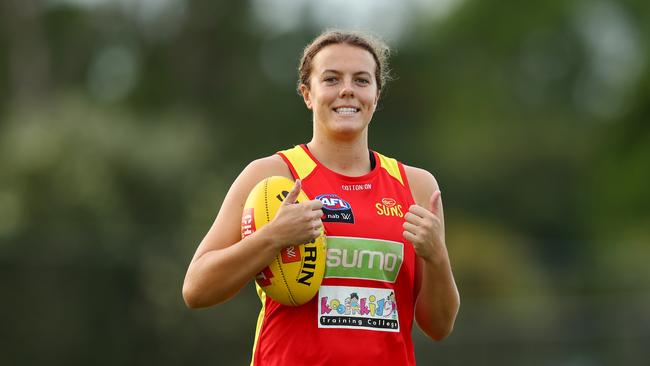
[[377, 48]]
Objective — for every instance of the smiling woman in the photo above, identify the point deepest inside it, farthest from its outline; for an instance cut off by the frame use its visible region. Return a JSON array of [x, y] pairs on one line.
[[387, 261], [341, 91]]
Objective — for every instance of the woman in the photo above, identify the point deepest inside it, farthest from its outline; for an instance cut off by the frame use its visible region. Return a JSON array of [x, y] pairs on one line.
[[387, 262]]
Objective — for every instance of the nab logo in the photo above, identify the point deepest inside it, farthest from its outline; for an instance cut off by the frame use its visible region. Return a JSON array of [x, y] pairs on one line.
[[336, 209], [389, 207]]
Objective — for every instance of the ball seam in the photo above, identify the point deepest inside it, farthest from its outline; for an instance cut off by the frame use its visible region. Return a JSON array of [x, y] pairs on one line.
[[286, 284], [266, 199], [268, 219]]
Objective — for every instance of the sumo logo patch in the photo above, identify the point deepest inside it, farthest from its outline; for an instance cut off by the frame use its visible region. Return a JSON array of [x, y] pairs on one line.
[[336, 209], [363, 258], [357, 307]]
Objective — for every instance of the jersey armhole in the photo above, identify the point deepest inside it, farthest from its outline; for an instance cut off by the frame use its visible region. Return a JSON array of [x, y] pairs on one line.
[[405, 179], [294, 174]]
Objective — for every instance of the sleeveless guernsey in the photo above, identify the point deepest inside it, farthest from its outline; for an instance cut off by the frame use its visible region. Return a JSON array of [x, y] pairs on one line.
[[363, 312]]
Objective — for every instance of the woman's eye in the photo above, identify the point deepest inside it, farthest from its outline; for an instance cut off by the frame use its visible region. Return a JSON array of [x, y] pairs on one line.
[[363, 81], [330, 79]]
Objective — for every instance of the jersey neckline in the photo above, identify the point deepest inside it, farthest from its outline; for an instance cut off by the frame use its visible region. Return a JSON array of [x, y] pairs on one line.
[[371, 174]]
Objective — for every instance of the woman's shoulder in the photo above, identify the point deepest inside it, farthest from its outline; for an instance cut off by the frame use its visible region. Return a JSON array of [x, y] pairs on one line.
[[272, 162], [422, 183], [252, 174], [261, 168]]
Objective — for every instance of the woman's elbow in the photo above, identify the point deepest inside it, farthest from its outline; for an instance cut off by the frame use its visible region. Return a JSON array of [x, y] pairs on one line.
[[196, 297], [437, 331], [190, 296], [442, 332], [438, 327], [446, 326]]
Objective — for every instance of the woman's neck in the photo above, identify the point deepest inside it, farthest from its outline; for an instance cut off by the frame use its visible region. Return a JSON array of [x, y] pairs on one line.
[[344, 157]]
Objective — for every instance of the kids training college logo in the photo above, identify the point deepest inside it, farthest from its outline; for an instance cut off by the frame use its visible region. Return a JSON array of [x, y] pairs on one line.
[[357, 307], [336, 209]]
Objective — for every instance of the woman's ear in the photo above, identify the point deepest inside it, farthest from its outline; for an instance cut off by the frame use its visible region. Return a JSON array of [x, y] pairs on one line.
[[306, 95], [377, 97]]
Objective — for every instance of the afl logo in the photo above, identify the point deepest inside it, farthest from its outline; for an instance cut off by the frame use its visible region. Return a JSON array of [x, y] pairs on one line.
[[333, 202], [336, 209], [388, 202]]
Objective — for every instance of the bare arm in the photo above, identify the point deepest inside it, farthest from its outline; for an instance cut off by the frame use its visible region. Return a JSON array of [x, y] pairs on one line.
[[438, 299], [224, 262]]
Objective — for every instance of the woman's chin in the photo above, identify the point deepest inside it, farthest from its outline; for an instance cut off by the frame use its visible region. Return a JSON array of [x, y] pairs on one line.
[[347, 133]]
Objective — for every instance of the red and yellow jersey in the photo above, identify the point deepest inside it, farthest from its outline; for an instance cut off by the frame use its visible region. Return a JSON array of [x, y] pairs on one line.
[[363, 312]]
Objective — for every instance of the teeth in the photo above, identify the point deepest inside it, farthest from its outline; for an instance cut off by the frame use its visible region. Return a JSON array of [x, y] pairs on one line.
[[346, 110]]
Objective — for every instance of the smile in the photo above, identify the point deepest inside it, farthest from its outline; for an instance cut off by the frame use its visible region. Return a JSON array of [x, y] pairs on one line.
[[346, 110]]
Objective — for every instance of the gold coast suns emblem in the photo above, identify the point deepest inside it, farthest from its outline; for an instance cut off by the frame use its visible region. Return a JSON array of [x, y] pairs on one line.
[[389, 207]]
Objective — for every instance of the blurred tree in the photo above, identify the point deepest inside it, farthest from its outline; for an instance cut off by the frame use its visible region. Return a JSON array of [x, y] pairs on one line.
[[27, 63], [123, 125]]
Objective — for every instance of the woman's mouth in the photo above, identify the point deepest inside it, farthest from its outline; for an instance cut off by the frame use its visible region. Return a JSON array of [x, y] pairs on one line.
[[346, 111]]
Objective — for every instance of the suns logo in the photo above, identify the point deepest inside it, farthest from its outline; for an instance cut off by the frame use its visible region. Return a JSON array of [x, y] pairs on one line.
[[389, 207]]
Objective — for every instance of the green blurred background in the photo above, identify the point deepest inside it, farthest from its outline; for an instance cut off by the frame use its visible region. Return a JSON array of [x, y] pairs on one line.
[[124, 122]]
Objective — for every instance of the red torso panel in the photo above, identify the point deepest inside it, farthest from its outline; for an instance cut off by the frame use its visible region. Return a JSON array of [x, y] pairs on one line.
[[363, 313]]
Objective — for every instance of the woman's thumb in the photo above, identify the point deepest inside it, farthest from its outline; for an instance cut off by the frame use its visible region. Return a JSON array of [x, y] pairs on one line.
[[293, 194]]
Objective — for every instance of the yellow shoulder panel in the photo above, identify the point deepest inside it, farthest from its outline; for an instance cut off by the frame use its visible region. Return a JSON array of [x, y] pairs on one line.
[[302, 163], [390, 165]]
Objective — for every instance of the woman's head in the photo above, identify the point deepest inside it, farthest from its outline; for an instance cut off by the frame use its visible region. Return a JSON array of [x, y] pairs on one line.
[[378, 49], [341, 76]]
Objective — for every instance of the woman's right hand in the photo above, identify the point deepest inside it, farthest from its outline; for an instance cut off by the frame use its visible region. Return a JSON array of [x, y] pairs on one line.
[[295, 223]]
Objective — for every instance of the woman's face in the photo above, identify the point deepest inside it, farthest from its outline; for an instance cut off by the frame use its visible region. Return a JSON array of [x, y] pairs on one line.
[[343, 91]]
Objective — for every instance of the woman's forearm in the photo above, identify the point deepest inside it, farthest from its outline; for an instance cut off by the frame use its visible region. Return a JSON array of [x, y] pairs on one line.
[[219, 274], [438, 300]]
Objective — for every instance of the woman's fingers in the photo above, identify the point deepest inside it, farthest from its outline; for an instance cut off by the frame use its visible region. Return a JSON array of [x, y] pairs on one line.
[[293, 194], [411, 228]]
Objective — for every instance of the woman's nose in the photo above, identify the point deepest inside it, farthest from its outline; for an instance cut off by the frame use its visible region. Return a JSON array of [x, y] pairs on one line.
[[347, 89]]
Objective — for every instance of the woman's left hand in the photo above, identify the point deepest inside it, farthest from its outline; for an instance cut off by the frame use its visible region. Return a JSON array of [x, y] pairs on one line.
[[424, 229]]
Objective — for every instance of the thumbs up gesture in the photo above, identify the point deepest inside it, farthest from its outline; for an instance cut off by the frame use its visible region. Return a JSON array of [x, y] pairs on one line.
[[425, 230], [296, 223]]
